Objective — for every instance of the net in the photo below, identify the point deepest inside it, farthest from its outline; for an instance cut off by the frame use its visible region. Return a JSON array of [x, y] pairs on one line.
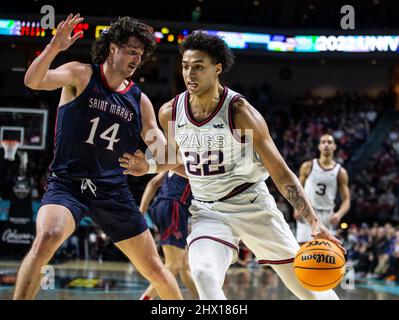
[[10, 149]]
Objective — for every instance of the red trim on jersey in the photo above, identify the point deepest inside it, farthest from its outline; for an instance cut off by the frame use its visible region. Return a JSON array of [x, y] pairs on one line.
[[55, 136], [55, 129], [186, 193], [237, 190], [324, 169], [211, 116], [104, 79], [311, 168], [276, 261], [175, 221], [339, 170], [214, 239], [174, 105], [231, 119]]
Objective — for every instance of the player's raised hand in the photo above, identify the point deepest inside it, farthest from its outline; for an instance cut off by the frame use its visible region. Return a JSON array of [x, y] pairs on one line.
[[63, 37], [319, 231], [135, 164]]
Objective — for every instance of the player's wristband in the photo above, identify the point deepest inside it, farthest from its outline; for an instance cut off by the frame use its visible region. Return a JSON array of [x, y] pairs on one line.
[[152, 166]]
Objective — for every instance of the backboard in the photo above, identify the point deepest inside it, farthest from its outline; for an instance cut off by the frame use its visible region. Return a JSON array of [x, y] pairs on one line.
[[28, 126]]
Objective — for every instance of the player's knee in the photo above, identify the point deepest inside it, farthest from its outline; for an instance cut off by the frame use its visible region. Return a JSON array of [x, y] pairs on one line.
[[203, 276], [175, 267], [156, 272], [47, 241]]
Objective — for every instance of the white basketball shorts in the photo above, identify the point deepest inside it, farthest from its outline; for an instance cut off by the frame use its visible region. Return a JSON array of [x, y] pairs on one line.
[[251, 216]]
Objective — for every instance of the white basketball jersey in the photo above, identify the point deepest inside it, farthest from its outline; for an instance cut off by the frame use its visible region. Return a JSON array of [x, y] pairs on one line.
[[215, 159], [321, 186]]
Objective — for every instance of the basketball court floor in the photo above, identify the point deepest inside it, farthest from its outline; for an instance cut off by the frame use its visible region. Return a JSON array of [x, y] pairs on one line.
[[90, 280]]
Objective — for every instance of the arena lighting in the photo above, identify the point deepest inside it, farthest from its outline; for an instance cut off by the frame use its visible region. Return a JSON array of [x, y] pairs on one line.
[[319, 43], [10, 27], [344, 225], [99, 30], [243, 40], [235, 40], [180, 38], [171, 37], [81, 27], [31, 29], [353, 43]]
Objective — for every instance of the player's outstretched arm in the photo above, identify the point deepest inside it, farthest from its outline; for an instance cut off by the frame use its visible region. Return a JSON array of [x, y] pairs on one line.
[[166, 156], [152, 135], [248, 118], [174, 161], [304, 172], [40, 77], [150, 190], [343, 182]]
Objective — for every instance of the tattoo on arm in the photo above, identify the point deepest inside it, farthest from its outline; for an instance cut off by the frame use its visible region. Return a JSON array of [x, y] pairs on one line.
[[297, 200]]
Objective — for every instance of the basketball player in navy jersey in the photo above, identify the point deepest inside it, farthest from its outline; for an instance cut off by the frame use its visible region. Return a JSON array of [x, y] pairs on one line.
[[212, 126], [169, 212], [101, 115]]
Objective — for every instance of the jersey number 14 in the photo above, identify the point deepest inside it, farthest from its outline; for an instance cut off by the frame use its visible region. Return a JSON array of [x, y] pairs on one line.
[[109, 134]]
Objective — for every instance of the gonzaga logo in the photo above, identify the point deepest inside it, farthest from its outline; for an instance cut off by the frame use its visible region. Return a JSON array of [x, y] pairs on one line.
[[319, 258]]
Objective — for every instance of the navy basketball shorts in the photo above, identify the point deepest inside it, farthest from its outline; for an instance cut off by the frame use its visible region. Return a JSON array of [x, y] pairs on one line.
[[170, 217], [108, 202]]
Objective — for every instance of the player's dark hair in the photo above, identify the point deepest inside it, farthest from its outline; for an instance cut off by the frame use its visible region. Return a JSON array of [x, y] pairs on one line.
[[215, 46], [119, 33], [327, 133]]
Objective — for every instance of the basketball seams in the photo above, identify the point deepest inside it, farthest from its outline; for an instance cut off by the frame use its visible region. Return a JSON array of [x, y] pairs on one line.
[[310, 268]]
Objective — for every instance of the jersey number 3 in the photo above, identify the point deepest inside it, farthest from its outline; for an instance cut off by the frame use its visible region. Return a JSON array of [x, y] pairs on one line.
[[109, 134], [321, 191]]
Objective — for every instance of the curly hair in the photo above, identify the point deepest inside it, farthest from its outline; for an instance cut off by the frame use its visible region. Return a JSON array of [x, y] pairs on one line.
[[214, 45], [119, 33]]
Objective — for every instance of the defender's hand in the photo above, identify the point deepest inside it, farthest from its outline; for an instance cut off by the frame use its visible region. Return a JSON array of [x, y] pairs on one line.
[[62, 39], [319, 231], [135, 164]]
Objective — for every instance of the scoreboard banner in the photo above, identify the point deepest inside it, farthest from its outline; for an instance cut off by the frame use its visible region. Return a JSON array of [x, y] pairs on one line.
[[235, 40]]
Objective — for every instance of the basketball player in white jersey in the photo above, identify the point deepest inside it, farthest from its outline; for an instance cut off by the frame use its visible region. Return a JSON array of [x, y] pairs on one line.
[[322, 178], [231, 201]]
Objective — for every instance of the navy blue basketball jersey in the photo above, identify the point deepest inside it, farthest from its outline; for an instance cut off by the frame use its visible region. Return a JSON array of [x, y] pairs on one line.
[[96, 128], [175, 187]]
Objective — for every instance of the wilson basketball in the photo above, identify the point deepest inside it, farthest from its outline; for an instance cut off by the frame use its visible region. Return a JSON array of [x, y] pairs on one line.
[[319, 265]]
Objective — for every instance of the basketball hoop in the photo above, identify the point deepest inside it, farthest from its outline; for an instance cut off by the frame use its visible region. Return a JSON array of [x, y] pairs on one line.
[[10, 148]]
